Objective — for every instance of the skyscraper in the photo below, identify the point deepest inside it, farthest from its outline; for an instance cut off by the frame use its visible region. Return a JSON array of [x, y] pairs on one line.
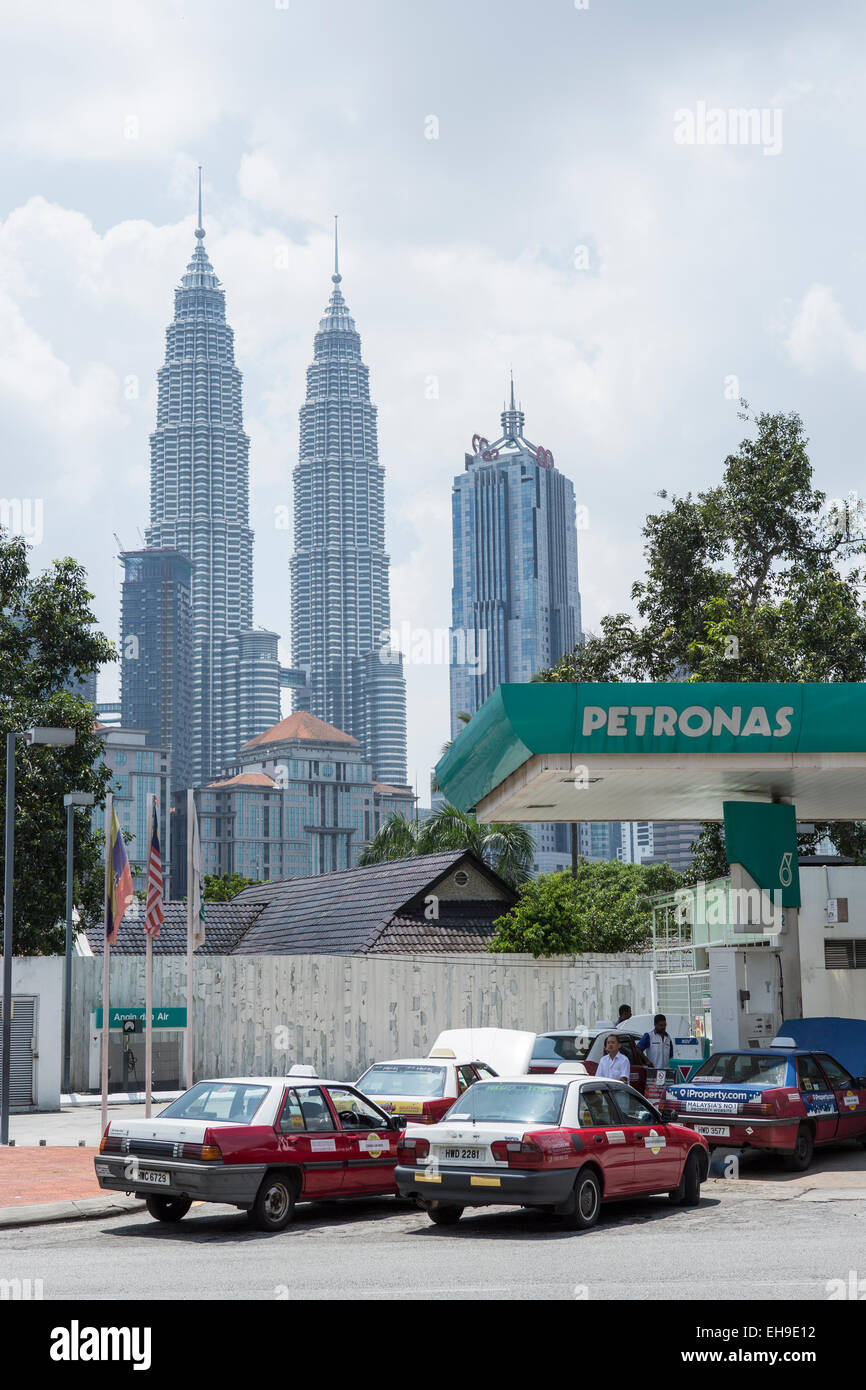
[[515, 601], [199, 507], [156, 621], [341, 611]]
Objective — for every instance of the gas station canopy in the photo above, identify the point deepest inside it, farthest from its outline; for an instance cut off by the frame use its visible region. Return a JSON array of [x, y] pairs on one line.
[[660, 751]]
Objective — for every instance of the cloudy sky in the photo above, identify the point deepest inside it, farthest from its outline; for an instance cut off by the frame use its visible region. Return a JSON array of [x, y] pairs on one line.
[[639, 266]]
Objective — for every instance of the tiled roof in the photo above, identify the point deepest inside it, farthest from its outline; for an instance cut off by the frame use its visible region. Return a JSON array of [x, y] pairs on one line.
[[224, 926], [304, 726], [346, 913], [245, 779], [384, 789], [461, 926]]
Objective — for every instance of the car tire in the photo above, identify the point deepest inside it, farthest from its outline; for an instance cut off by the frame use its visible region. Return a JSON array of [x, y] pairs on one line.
[[274, 1206], [688, 1193], [799, 1160], [444, 1215], [585, 1205], [168, 1208]]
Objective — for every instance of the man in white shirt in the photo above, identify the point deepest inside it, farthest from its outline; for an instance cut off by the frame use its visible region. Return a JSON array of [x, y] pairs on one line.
[[614, 1063]]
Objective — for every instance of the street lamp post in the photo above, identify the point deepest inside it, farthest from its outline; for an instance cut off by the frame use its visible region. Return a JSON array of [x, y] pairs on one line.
[[60, 738], [70, 801]]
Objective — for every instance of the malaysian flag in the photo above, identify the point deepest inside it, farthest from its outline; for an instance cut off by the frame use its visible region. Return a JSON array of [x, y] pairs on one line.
[[153, 908]]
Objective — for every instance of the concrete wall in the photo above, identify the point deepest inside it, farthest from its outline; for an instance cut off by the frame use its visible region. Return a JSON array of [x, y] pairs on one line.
[[840, 993], [259, 1014], [43, 976]]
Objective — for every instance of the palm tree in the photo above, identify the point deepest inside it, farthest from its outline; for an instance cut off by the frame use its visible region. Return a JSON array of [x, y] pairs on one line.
[[506, 848], [396, 838]]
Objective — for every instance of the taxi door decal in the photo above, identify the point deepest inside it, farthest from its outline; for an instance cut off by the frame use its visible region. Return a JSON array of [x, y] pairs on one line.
[[820, 1102]]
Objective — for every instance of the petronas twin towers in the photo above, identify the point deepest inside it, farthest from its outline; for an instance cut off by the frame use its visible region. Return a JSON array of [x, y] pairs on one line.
[[187, 614]]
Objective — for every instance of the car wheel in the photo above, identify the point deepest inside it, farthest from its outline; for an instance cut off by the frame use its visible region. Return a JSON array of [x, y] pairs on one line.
[[168, 1208], [274, 1206], [444, 1215], [688, 1194], [799, 1160], [585, 1202]]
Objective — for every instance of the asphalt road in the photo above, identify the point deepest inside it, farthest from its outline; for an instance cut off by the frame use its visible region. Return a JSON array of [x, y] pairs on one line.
[[745, 1240]]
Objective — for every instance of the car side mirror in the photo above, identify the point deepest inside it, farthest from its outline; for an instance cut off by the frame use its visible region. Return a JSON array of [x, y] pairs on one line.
[[397, 1122], [669, 1116], [860, 1082]]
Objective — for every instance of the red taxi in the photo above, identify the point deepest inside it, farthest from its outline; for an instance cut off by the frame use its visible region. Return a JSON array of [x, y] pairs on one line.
[[787, 1100], [420, 1088], [564, 1143], [262, 1144]]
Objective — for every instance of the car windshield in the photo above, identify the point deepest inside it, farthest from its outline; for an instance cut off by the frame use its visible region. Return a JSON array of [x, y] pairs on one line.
[[236, 1101], [564, 1047], [397, 1079], [509, 1102], [739, 1068]]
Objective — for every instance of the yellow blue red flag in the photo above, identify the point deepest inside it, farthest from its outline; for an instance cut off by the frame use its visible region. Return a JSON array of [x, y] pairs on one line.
[[120, 893]]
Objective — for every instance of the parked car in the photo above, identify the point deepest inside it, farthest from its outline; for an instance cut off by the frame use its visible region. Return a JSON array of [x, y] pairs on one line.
[[560, 1045], [421, 1087], [564, 1143], [425, 1087], [262, 1144], [786, 1100]]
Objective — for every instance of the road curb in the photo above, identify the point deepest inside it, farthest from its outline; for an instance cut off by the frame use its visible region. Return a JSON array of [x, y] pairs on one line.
[[75, 1209]]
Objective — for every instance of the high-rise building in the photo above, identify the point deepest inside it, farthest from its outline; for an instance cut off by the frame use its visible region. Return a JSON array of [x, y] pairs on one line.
[[299, 799], [515, 602], [515, 599], [156, 622], [199, 505], [341, 612], [137, 771], [672, 841]]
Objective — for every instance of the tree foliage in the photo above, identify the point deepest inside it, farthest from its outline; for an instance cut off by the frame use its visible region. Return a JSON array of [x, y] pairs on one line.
[[756, 579], [606, 906], [506, 848], [47, 639], [221, 888]]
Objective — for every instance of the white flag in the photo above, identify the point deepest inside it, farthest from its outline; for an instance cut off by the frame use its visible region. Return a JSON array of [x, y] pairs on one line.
[[196, 888]]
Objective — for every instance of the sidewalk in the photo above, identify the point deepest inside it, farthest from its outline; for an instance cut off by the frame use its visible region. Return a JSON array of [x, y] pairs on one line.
[[57, 1182]]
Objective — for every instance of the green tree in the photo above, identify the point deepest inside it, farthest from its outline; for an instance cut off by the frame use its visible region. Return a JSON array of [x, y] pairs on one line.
[[47, 638], [221, 888], [606, 906], [756, 579], [506, 848]]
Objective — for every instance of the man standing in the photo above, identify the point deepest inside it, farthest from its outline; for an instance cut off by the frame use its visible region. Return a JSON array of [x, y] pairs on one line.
[[614, 1063], [658, 1046]]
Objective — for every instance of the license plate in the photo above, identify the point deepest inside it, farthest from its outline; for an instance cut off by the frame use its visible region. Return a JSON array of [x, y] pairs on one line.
[[103, 1170], [153, 1175], [714, 1131], [462, 1154]]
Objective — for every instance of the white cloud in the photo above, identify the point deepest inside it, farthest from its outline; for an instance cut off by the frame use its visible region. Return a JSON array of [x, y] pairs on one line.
[[820, 338]]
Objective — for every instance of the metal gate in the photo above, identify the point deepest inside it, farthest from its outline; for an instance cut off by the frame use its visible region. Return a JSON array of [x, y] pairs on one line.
[[23, 1049]]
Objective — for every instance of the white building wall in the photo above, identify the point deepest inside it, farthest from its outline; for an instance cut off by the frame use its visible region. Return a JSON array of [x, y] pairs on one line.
[[42, 976], [834, 993]]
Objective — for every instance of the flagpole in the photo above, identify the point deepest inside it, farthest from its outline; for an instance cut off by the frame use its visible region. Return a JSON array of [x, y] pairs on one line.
[[148, 975], [190, 813], [106, 948]]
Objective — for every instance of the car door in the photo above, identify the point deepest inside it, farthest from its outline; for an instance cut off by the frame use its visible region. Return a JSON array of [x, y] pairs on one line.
[[637, 1071], [850, 1098], [368, 1141], [604, 1138], [657, 1154], [818, 1098], [307, 1134]]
